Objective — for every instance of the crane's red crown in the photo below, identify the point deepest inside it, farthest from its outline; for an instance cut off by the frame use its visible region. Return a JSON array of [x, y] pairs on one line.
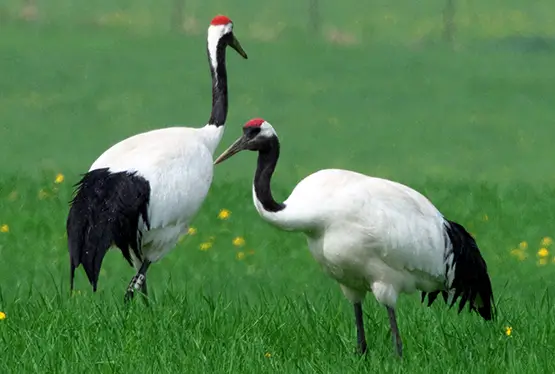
[[220, 20], [255, 122]]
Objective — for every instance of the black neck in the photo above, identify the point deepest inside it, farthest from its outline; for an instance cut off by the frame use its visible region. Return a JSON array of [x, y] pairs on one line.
[[267, 160], [219, 87]]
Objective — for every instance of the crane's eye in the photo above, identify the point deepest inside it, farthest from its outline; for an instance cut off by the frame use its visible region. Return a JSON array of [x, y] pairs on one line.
[[251, 132]]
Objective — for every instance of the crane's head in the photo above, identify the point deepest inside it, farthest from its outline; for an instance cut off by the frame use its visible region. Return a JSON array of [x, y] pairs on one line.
[[258, 135], [220, 33]]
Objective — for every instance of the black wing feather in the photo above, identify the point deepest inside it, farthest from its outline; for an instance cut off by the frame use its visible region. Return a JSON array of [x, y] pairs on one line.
[[105, 211]]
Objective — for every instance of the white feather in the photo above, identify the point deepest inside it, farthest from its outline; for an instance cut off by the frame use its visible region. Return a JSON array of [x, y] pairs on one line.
[[215, 33]]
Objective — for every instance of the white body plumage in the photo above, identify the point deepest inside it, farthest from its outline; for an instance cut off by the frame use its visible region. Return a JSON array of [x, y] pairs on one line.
[[369, 234]]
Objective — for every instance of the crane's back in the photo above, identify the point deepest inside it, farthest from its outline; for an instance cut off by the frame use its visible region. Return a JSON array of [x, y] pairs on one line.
[[341, 193], [353, 215]]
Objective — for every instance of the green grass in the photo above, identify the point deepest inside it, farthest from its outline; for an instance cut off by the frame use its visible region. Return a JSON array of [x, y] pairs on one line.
[[471, 129], [214, 312]]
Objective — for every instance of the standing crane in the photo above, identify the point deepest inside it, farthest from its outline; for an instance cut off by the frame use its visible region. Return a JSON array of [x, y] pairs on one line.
[[141, 193], [371, 235]]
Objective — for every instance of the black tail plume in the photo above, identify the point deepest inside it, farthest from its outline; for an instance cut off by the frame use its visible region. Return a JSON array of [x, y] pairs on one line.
[[105, 211], [471, 280], [433, 295]]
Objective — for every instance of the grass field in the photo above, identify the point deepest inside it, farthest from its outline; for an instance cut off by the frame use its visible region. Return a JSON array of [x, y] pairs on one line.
[[471, 129]]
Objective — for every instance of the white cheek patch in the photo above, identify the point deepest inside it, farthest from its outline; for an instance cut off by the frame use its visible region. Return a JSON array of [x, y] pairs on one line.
[[266, 130], [215, 33], [226, 29]]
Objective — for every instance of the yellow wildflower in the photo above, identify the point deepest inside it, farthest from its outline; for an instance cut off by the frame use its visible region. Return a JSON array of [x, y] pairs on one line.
[[240, 255], [224, 214], [4, 228], [59, 178], [508, 330], [205, 246], [238, 241], [2, 316], [546, 242], [543, 252], [192, 231], [542, 262], [267, 355], [523, 245]]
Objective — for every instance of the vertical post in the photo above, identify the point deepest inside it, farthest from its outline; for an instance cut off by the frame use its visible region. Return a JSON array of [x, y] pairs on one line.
[[449, 21], [314, 15], [29, 10], [177, 15]]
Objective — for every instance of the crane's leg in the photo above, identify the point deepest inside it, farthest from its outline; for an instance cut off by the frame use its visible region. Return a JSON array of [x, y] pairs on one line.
[[397, 343], [137, 282], [361, 338]]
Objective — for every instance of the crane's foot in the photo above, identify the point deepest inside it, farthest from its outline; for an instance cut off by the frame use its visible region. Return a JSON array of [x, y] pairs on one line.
[[136, 283], [362, 348], [396, 336], [128, 297]]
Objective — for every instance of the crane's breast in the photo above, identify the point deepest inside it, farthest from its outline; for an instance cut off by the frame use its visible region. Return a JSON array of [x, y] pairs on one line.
[[179, 186]]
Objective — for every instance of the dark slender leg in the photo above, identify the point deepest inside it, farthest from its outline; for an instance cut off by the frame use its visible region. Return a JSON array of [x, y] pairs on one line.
[[361, 339], [137, 281], [397, 343]]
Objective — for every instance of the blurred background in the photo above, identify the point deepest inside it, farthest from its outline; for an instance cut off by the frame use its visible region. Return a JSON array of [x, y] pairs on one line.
[[448, 89]]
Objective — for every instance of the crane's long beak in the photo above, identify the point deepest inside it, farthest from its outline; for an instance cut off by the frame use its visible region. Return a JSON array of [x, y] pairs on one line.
[[236, 147], [237, 46]]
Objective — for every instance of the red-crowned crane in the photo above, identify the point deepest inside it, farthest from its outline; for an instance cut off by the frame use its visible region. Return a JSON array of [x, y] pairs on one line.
[[371, 235], [141, 193]]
